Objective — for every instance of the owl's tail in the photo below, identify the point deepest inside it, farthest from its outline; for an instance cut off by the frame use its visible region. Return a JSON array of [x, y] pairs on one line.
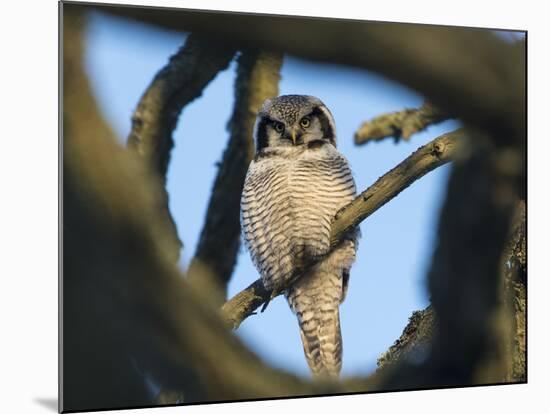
[[315, 299]]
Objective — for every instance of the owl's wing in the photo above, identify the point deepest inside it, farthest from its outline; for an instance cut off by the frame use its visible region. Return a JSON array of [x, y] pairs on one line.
[[266, 220]]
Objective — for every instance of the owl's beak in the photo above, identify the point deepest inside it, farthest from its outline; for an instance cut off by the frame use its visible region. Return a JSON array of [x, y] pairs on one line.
[[294, 137]]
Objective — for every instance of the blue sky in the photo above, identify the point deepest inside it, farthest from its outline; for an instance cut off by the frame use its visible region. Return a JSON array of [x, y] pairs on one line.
[[387, 281]]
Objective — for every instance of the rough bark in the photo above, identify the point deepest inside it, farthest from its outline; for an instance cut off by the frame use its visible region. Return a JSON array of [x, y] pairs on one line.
[[414, 343], [257, 79], [177, 84], [514, 320], [400, 125], [425, 159]]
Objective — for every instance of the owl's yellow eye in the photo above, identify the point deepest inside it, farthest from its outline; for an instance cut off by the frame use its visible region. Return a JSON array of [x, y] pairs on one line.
[[279, 127], [305, 122]]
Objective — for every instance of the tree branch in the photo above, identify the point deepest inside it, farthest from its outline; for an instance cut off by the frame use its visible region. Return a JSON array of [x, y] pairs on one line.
[[425, 159], [414, 343], [177, 84], [400, 125], [257, 79]]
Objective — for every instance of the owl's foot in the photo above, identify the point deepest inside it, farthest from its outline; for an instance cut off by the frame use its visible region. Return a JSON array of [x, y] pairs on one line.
[[264, 307]]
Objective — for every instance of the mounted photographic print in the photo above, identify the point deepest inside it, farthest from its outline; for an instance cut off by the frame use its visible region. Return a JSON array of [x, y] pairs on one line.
[[260, 206]]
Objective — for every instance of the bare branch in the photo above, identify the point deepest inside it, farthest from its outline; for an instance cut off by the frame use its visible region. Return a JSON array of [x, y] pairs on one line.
[[257, 79], [177, 84], [400, 125], [425, 159]]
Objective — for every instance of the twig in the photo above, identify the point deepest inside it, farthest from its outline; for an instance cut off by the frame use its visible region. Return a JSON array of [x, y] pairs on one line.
[[399, 125], [257, 79], [425, 159], [174, 86]]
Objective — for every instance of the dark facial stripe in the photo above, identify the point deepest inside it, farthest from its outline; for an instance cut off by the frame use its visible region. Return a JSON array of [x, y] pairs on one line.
[[328, 133], [261, 134]]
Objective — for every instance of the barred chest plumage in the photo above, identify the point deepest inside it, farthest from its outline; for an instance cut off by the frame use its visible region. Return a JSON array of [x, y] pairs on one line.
[[290, 197]]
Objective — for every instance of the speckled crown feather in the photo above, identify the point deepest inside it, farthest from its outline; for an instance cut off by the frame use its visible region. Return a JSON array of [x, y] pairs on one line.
[[289, 107]]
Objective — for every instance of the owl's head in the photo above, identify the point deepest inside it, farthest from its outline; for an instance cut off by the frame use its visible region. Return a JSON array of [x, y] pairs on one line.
[[294, 120]]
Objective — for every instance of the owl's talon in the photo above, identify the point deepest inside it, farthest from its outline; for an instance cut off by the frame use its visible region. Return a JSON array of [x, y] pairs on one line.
[[264, 307]]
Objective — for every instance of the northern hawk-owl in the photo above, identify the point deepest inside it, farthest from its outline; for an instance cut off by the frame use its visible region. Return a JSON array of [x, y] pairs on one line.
[[294, 186]]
